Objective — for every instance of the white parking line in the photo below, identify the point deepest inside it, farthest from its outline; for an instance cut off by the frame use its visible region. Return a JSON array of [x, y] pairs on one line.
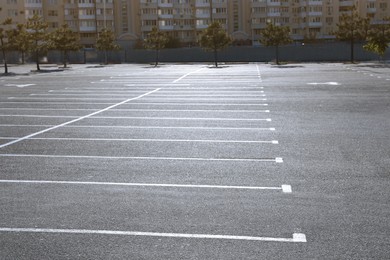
[[186, 75], [139, 110], [144, 118], [284, 188], [145, 140], [297, 237], [170, 88], [136, 103], [162, 91], [165, 96], [76, 120], [151, 127], [276, 160]]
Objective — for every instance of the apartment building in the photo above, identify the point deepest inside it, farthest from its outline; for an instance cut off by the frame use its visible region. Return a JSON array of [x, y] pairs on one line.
[[185, 19], [87, 17], [312, 19]]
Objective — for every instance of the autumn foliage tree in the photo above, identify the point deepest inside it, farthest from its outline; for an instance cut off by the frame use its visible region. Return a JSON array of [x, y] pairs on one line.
[[214, 38]]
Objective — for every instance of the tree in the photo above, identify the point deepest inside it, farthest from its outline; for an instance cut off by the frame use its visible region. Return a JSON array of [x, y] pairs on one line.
[[106, 42], [275, 35], [156, 40], [351, 28], [65, 40], [5, 42], [214, 38], [379, 37], [40, 43], [20, 40]]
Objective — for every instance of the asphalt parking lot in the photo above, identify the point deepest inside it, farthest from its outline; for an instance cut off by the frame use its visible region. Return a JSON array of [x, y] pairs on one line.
[[186, 161]]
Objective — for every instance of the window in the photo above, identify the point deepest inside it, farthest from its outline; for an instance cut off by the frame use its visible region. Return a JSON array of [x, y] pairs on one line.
[[12, 12], [52, 13]]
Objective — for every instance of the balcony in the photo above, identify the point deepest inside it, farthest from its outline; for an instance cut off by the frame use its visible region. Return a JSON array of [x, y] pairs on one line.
[[202, 26], [258, 26], [274, 14], [86, 5], [315, 24], [315, 2], [149, 16], [315, 13], [166, 27], [165, 16], [32, 5], [183, 27], [346, 3], [165, 5], [87, 28], [86, 17], [269, 3], [202, 16], [197, 4]]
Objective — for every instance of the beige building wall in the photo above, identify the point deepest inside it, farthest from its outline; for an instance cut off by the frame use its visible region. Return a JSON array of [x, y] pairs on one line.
[[185, 19], [312, 19]]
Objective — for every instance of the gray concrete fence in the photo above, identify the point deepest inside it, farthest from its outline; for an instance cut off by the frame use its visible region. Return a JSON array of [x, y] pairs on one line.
[[327, 52]]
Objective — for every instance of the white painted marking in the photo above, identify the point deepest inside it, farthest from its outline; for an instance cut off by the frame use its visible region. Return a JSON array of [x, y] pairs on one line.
[[76, 120], [139, 103], [297, 237], [141, 86], [325, 83], [145, 140], [145, 118], [150, 127], [97, 91], [286, 188], [277, 160], [48, 116], [158, 185], [156, 84], [200, 99], [213, 95], [139, 110], [185, 118], [186, 75], [19, 85]]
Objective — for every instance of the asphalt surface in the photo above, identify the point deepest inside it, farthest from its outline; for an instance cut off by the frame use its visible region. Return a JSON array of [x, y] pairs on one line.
[[247, 161]]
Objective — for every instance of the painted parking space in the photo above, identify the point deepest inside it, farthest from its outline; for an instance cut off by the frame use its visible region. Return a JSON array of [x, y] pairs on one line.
[[192, 167]]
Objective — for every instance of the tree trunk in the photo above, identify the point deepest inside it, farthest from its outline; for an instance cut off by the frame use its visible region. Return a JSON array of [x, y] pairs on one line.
[[277, 54], [5, 60], [157, 57], [37, 60], [216, 58], [352, 50], [23, 57], [65, 58]]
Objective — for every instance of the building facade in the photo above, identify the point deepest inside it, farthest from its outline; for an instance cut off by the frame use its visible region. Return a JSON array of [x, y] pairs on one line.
[[244, 20]]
